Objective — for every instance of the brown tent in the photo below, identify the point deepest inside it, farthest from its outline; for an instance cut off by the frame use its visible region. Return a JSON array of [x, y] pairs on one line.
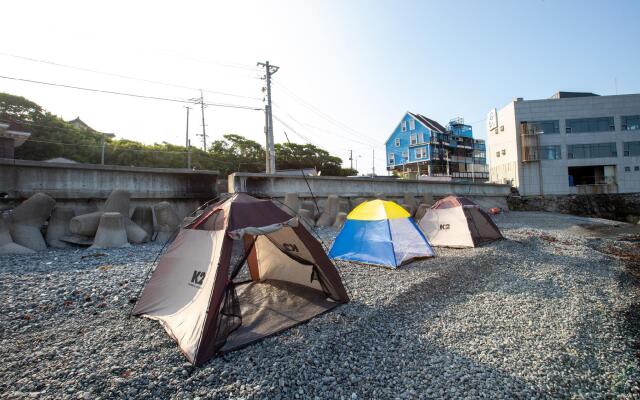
[[458, 222], [243, 270]]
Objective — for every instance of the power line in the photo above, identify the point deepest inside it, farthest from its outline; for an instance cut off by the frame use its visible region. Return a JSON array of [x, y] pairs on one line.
[[140, 96], [297, 133], [126, 76], [306, 139], [321, 129], [247, 67], [322, 114]]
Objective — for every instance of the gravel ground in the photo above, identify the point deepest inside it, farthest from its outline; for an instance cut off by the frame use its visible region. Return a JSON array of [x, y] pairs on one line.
[[544, 314]]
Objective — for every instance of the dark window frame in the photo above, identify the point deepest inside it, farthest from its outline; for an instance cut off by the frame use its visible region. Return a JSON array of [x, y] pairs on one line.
[[590, 125]]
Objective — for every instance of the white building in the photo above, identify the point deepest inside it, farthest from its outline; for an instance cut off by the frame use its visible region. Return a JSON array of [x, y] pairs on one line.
[[570, 143]]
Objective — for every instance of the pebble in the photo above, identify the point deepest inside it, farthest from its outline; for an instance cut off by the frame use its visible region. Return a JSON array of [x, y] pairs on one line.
[[526, 317]]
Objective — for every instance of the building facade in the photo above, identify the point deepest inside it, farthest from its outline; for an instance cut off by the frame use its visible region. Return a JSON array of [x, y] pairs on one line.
[[571, 143], [421, 148]]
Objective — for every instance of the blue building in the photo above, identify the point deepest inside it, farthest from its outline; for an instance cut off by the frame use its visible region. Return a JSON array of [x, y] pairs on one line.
[[420, 147]]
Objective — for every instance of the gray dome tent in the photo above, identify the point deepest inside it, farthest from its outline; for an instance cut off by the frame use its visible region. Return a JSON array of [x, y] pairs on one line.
[[242, 271], [458, 222]]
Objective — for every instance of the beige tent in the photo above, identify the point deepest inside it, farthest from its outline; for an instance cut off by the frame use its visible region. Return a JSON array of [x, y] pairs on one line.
[[241, 271], [458, 222]]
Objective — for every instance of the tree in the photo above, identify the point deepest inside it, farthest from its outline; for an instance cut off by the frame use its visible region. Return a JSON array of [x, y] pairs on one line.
[[52, 137], [295, 156], [17, 108]]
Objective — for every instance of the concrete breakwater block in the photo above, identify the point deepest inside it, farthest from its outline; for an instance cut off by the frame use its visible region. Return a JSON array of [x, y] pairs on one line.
[[143, 217], [77, 239], [427, 199], [166, 215], [340, 220], [311, 207], [135, 234], [328, 216], [87, 224], [292, 202], [59, 227], [421, 211], [343, 206], [118, 201], [307, 217], [111, 232], [7, 245], [411, 202], [168, 221], [28, 218]]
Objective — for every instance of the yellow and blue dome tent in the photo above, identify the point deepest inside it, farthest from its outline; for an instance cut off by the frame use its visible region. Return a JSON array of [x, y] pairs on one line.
[[382, 233]]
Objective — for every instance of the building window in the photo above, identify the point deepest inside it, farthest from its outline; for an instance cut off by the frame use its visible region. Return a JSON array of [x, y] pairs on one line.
[[504, 152], [397, 142], [392, 159], [583, 125], [627, 169], [551, 152], [403, 126], [412, 124], [421, 152], [636, 168], [413, 139], [420, 137], [405, 155], [631, 149], [630, 122], [592, 150], [497, 154], [543, 127]]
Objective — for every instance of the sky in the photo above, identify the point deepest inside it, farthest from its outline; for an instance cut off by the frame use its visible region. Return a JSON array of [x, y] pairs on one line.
[[349, 69]]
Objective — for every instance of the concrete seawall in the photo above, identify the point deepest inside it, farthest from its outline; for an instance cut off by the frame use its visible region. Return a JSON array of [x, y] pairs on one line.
[[487, 195], [86, 186], [621, 207]]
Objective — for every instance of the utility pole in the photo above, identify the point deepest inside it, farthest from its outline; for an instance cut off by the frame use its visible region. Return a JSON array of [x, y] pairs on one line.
[[271, 151], [187, 141], [373, 166], [200, 100], [204, 132], [103, 144], [351, 158]]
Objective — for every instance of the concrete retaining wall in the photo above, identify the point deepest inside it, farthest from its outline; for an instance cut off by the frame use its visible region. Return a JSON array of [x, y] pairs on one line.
[[487, 195], [86, 186], [620, 207]]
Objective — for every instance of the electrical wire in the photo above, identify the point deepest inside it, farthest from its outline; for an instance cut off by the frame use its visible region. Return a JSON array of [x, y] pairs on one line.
[[140, 96], [306, 139], [314, 127], [126, 76], [322, 114]]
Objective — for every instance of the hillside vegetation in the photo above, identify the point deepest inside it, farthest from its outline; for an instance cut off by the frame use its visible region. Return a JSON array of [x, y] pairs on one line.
[[53, 137]]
